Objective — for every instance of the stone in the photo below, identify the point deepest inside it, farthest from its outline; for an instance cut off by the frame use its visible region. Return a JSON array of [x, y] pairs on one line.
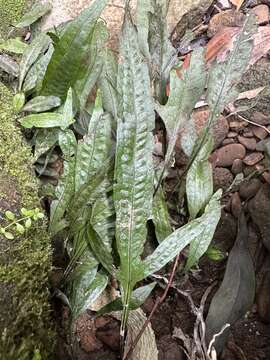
[[262, 14], [249, 143], [228, 18], [248, 133], [266, 176], [169, 349], [227, 154], [249, 188], [222, 178], [259, 208], [237, 166], [220, 128], [237, 125], [232, 134], [236, 206], [227, 142], [259, 132], [253, 158]]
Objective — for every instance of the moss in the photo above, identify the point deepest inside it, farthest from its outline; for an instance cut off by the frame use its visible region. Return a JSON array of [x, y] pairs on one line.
[[25, 323], [11, 11]]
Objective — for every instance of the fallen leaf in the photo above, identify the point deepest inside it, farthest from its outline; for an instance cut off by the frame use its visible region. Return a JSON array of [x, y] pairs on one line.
[[261, 44], [237, 3]]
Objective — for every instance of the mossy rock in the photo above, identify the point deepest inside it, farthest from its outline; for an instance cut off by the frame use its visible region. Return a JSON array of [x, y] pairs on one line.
[[10, 12], [25, 262]]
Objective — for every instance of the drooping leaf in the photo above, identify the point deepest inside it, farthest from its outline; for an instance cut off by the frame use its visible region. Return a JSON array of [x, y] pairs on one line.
[[236, 293], [133, 190], [88, 286], [138, 298], [31, 54], [43, 120], [85, 83], [161, 216], [34, 14], [15, 46], [180, 238], [41, 104], [34, 78], [44, 140], [199, 182], [9, 65], [68, 118], [184, 94], [67, 142], [108, 83], [70, 58], [18, 101]]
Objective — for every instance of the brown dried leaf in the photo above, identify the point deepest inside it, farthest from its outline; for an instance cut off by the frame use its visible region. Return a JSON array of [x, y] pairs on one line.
[[237, 3], [261, 44]]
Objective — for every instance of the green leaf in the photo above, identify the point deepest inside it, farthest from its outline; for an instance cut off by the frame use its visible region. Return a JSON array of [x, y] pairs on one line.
[[31, 54], [9, 215], [34, 14], [161, 216], [28, 223], [67, 143], [108, 83], [84, 85], [133, 189], [41, 104], [35, 76], [199, 182], [88, 286], [184, 94], [203, 226], [68, 111], [18, 101], [9, 65], [20, 229], [70, 58], [237, 291], [15, 46], [8, 235], [144, 8], [64, 193], [138, 298], [43, 120], [213, 253], [44, 140]]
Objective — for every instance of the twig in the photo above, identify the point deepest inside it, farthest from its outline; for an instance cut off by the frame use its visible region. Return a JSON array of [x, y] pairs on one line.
[[250, 121], [157, 303], [214, 338]]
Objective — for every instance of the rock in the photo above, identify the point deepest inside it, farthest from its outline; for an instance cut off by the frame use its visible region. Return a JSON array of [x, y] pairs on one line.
[[237, 125], [262, 296], [232, 134], [249, 143], [227, 154], [253, 158], [248, 133], [249, 188], [266, 176], [259, 132], [222, 178], [237, 166], [85, 332], [109, 333], [220, 128], [229, 18], [262, 14], [158, 149], [236, 206], [227, 142], [259, 208]]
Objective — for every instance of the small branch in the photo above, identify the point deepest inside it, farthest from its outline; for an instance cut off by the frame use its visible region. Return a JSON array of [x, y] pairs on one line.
[[215, 337], [250, 122], [157, 303]]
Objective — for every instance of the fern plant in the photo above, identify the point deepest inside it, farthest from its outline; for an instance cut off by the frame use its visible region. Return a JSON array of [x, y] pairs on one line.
[[110, 187]]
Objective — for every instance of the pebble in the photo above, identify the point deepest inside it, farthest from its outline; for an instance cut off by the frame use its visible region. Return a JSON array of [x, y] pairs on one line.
[[232, 134], [228, 141], [262, 14], [266, 176], [222, 178], [228, 18], [248, 133], [237, 166], [227, 154], [259, 118], [238, 125], [249, 188], [259, 132], [249, 143], [236, 206], [253, 158]]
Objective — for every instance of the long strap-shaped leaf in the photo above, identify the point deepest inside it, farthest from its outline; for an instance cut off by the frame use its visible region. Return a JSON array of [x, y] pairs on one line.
[[133, 190], [69, 61]]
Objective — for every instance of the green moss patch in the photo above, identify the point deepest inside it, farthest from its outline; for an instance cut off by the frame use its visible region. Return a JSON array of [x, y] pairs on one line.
[[10, 12]]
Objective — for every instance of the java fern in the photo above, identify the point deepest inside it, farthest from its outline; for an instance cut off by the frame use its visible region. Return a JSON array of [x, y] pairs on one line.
[[110, 187]]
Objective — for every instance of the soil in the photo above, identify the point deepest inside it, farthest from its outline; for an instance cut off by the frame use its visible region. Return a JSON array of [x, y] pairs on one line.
[[238, 151]]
